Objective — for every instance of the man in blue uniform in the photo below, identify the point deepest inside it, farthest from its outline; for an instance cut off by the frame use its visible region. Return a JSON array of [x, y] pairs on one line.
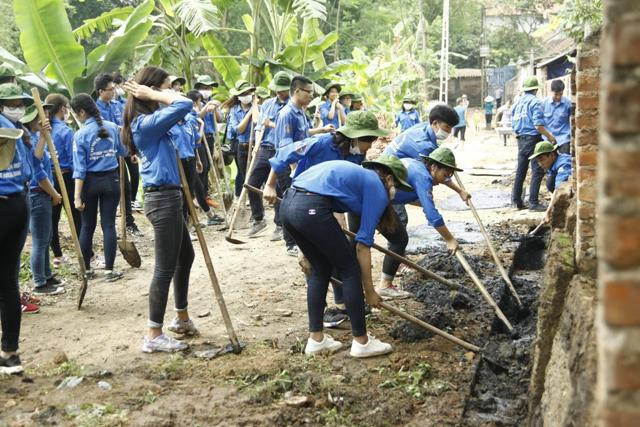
[[527, 121], [408, 116], [210, 113], [557, 116], [332, 111], [557, 165]]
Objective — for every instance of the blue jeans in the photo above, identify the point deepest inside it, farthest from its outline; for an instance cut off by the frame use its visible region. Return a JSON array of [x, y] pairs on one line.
[[101, 190], [526, 145], [40, 226], [309, 219]]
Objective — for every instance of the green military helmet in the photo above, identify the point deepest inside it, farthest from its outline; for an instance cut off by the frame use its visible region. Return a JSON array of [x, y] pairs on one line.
[[6, 70], [32, 112], [262, 92], [281, 82], [356, 97], [443, 156], [331, 85], [362, 123], [393, 165], [8, 137], [205, 80], [530, 83], [410, 99], [10, 91], [346, 93], [241, 87], [174, 79], [542, 147]]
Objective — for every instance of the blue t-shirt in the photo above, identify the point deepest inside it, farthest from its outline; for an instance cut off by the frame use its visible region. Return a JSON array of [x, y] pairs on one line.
[[462, 122], [110, 111], [422, 183], [291, 125], [270, 109], [156, 150], [41, 167], [236, 115], [183, 136], [526, 114], [560, 170], [351, 188], [406, 119], [13, 179], [325, 108], [308, 152], [62, 137], [488, 107], [557, 119], [92, 153], [418, 139]]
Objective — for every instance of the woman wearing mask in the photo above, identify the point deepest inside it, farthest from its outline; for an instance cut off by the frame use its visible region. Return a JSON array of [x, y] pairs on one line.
[[96, 147], [243, 108], [408, 116], [62, 137], [307, 212], [211, 114], [146, 133]]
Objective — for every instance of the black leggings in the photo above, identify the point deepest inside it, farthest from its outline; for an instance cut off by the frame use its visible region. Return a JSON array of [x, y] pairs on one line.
[[13, 221], [134, 177], [57, 210], [309, 219], [195, 186]]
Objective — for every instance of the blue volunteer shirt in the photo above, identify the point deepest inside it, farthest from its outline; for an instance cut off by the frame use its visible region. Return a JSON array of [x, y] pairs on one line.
[[418, 139], [62, 137], [209, 122], [557, 119], [110, 111], [41, 167], [12, 178], [192, 120], [236, 115], [560, 171], [526, 114], [155, 147], [270, 110], [291, 125], [306, 153], [462, 122], [351, 188], [94, 154], [422, 183], [325, 108], [406, 119], [488, 107], [182, 135]]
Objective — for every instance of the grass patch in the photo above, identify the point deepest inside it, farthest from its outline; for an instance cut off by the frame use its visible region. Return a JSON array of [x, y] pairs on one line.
[[95, 414], [416, 383]]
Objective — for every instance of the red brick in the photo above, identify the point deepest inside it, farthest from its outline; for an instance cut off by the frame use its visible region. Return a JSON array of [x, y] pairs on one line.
[[627, 43], [624, 371], [587, 83], [620, 240], [586, 230], [587, 192], [587, 102], [621, 301], [620, 419], [622, 108], [586, 157], [587, 120], [587, 137], [587, 174], [621, 175], [588, 62], [586, 211]]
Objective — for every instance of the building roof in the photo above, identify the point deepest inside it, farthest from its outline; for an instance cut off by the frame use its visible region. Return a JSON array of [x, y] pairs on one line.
[[463, 73]]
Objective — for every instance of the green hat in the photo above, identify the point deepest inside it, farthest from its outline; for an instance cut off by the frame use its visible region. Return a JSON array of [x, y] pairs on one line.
[[9, 91], [443, 156], [8, 137], [410, 99], [356, 97], [530, 83], [6, 70], [346, 93], [174, 79], [242, 86], [32, 113], [262, 92], [205, 80], [393, 165], [281, 82], [332, 85], [362, 123], [542, 147]]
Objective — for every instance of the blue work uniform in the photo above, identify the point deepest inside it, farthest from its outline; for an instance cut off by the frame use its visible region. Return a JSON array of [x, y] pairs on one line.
[[270, 110], [418, 139], [325, 108], [406, 119], [209, 122], [153, 142], [526, 114], [182, 134], [41, 167], [306, 153], [291, 125], [351, 188], [559, 172], [462, 122], [422, 183], [92, 153], [110, 111], [236, 115], [62, 137], [557, 119], [13, 178], [192, 120]]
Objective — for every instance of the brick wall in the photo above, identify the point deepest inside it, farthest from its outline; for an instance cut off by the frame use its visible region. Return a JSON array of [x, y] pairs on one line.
[[618, 225]]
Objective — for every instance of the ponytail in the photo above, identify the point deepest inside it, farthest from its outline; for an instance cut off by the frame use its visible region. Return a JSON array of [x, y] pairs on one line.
[[57, 101], [83, 102]]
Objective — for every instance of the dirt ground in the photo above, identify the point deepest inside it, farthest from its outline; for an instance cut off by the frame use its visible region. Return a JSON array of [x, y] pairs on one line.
[[427, 381]]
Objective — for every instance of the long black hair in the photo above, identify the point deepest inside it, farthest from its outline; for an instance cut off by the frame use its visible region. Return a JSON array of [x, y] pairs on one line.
[[388, 221], [57, 101], [83, 102]]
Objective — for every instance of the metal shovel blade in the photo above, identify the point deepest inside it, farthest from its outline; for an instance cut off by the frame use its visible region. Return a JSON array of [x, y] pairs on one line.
[[233, 240], [130, 253]]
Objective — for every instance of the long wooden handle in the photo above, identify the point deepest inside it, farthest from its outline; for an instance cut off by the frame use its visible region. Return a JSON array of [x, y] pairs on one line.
[[483, 290], [214, 173], [207, 258], [123, 210], [492, 250]]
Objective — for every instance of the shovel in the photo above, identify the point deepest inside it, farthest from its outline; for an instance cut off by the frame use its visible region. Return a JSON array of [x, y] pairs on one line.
[[65, 198], [237, 347], [216, 181], [127, 247]]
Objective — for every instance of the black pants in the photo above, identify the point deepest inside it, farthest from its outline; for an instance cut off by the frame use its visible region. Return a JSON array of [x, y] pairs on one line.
[[130, 221], [564, 148], [100, 190], [13, 222], [461, 130], [284, 182], [173, 253], [526, 145], [241, 155], [258, 178], [189, 166], [57, 210], [488, 118], [134, 177], [309, 219]]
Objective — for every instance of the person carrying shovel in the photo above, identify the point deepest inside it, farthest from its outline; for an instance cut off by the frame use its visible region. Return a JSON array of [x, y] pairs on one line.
[[556, 164], [307, 213]]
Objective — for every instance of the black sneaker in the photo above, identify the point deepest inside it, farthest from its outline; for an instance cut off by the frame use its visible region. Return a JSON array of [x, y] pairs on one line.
[[333, 317], [518, 206], [11, 365], [48, 290], [134, 231], [257, 227], [54, 281], [537, 207], [112, 275]]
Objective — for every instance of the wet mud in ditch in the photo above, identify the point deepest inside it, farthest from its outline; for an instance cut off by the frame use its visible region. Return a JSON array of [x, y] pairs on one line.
[[498, 393]]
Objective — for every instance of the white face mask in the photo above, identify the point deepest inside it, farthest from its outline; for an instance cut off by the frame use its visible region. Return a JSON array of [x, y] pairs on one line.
[[442, 135], [206, 93], [66, 116], [355, 150], [246, 99], [407, 106], [13, 113], [119, 91]]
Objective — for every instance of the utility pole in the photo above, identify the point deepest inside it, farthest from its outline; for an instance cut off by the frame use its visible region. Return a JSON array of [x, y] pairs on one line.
[[483, 76], [421, 38], [336, 53], [444, 54]]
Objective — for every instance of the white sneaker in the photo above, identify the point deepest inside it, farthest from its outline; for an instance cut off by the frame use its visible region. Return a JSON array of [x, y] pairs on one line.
[[162, 343], [373, 347], [193, 237], [393, 292], [327, 345], [183, 328]]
